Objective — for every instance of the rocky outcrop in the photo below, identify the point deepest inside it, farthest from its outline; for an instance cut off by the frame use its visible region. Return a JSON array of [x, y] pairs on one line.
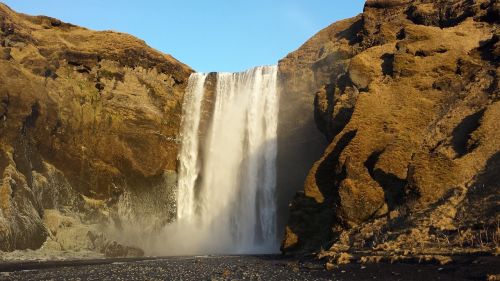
[[85, 117], [407, 94]]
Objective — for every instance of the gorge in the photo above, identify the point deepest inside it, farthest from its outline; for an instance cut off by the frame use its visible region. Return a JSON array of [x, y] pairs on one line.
[[377, 140]]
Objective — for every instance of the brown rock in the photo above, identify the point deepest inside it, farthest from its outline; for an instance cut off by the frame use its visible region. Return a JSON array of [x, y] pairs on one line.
[[81, 113], [115, 250], [330, 266], [291, 240], [407, 94], [344, 258]]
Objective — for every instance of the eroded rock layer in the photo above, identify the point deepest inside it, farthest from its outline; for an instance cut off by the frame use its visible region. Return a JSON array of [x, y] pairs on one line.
[[85, 117], [407, 94]]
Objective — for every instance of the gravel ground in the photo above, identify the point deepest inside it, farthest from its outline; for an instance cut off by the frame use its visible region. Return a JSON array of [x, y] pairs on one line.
[[240, 268]]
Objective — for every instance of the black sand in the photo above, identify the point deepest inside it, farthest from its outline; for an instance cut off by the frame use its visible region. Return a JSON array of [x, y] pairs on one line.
[[241, 268]]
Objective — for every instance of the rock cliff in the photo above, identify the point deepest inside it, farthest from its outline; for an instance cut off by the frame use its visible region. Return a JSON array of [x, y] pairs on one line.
[[407, 95], [89, 123]]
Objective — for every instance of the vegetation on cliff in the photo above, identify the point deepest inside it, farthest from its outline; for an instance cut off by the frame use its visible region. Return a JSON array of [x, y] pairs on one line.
[[407, 94], [85, 117]]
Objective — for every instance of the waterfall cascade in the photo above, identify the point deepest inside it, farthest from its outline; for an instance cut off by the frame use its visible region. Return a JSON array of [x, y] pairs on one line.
[[226, 192]]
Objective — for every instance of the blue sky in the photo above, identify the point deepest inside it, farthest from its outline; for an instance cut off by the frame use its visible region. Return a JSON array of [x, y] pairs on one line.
[[216, 35]]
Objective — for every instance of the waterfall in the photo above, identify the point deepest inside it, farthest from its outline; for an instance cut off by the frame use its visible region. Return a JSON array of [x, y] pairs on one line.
[[226, 192], [188, 171]]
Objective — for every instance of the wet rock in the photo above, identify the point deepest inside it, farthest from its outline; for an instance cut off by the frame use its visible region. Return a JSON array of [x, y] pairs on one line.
[[113, 250]]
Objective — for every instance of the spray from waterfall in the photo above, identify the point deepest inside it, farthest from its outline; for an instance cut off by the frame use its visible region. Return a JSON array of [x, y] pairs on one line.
[[226, 201]]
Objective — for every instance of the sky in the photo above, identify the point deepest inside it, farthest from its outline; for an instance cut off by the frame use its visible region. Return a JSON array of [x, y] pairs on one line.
[[208, 35]]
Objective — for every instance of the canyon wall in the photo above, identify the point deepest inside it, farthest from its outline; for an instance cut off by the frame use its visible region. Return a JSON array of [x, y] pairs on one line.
[[89, 125], [407, 94], [405, 97]]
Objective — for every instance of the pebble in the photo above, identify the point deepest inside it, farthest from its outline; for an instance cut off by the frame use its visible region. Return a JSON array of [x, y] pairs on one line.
[[274, 267]]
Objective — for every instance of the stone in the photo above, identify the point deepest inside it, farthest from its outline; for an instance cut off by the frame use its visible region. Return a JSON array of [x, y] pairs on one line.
[[330, 266]]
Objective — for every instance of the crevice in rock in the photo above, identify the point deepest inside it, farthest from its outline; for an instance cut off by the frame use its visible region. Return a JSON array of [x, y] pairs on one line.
[[99, 86], [492, 13], [177, 81], [330, 173], [462, 133], [351, 34], [50, 73], [344, 81], [388, 64], [333, 119], [489, 50], [321, 115], [82, 69], [392, 185], [393, 188], [30, 120], [4, 106], [371, 161], [340, 120], [493, 88], [427, 53], [401, 35], [4, 162], [25, 158]]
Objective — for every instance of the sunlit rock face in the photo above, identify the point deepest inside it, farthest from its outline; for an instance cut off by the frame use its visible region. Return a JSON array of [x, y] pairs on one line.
[[89, 128], [407, 95], [396, 110]]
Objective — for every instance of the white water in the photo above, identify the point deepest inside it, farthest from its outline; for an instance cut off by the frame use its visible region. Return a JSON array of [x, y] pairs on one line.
[[189, 170], [226, 195]]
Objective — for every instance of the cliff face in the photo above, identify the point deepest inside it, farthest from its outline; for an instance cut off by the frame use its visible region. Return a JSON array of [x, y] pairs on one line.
[[407, 94], [85, 117]]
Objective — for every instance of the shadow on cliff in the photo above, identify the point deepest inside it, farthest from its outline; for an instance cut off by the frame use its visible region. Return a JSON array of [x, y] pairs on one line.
[[300, 144], [310, 220], [463, 132], [482, 197], [393, 186]]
